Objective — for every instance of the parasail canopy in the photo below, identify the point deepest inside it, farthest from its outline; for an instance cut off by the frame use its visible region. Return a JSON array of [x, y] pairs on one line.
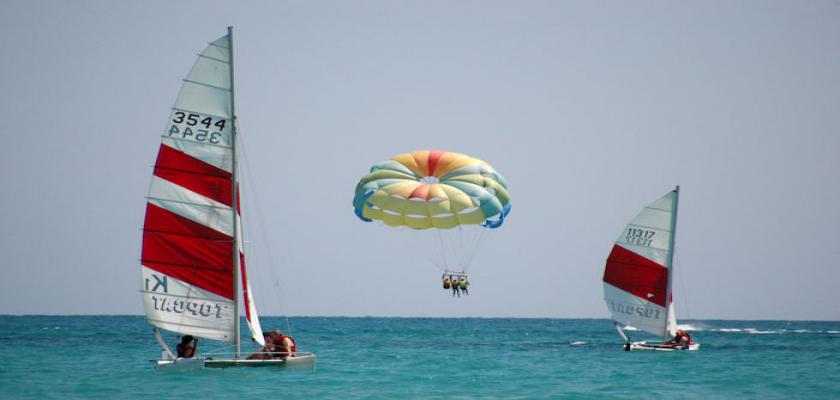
[[433, 189]]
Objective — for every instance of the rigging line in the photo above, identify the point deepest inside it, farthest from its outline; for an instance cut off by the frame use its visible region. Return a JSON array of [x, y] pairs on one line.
[[442, 247], [278, 283], [474, 249], [467, 250], [682, 290], [461, 245]]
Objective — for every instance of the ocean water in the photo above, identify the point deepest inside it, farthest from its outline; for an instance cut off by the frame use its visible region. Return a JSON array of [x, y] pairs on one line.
[[59, 357]]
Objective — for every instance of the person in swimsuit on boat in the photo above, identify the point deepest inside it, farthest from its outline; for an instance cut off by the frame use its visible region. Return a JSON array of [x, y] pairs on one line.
[[186, 349], [264, 353], [681, 340], [284, 346]]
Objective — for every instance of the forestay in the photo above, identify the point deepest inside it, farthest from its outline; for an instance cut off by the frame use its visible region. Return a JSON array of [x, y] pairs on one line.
[[188, 256]]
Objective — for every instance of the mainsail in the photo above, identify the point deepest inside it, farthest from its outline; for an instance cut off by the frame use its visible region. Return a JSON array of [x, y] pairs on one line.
[[637, 276], [190, 232]]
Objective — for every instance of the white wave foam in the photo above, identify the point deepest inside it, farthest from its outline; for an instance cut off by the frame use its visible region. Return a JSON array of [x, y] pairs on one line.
[[630, 328], [754, 331], [688, 327], [577, 343]]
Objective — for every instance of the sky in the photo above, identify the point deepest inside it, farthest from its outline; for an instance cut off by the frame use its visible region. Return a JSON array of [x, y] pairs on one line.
[[590, 110]]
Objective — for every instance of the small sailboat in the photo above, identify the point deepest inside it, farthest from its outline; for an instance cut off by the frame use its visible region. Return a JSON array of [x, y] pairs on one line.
[[193, 261], [638, 276]]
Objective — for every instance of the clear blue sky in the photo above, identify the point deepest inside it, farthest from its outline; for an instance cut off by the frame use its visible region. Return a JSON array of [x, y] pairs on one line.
[[589, 109]]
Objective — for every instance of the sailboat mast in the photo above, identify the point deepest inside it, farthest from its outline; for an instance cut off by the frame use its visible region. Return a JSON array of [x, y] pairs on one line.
[[669, 305], [237, 297]]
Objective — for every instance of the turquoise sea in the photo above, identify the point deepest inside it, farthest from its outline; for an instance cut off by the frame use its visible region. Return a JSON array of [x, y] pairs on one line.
[[58, 357]]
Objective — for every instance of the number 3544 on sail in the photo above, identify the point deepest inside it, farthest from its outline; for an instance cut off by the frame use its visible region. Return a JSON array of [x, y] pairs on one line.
[[197, 127]]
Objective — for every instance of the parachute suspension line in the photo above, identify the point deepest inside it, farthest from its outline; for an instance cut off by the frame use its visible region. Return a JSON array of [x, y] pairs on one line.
[[461, 246], [442, 248], [278, 285], [473, 249]]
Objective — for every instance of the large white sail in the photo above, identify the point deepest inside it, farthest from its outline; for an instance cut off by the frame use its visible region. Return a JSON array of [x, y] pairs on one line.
[[636, 276], [188, 235]]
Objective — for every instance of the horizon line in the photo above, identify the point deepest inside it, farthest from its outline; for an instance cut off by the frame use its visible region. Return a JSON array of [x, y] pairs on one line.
[[417, 317]]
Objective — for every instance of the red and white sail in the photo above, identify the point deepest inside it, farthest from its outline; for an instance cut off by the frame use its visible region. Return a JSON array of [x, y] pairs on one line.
[[188, 235], [636, 276]]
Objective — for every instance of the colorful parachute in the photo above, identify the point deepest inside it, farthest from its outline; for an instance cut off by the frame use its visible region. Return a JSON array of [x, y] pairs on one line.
[[433, 189]]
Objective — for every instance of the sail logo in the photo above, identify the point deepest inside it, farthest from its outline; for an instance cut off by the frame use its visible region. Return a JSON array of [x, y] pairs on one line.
[[633, 309], [158, 284], [157, 288], [187, 306]]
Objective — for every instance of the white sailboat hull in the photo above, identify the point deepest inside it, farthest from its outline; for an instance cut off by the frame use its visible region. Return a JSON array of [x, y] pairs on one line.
[[301, 362], [181, 364], [660, 347]]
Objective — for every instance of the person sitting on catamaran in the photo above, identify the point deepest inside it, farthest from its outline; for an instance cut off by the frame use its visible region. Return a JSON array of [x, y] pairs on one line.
[[264, 353], [681, 339], [186, 349], [284, 346]]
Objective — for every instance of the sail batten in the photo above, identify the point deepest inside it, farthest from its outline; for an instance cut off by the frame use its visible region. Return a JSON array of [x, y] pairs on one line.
[[187, 203], [186, 171], [208, 85], [185, 235], [157, 322]]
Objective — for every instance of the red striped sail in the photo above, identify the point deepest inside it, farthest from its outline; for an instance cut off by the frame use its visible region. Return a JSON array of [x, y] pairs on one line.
[[188, 234]]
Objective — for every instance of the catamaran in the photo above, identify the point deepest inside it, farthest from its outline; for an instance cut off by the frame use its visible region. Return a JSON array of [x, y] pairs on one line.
[[193, 260], [638, 276]]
